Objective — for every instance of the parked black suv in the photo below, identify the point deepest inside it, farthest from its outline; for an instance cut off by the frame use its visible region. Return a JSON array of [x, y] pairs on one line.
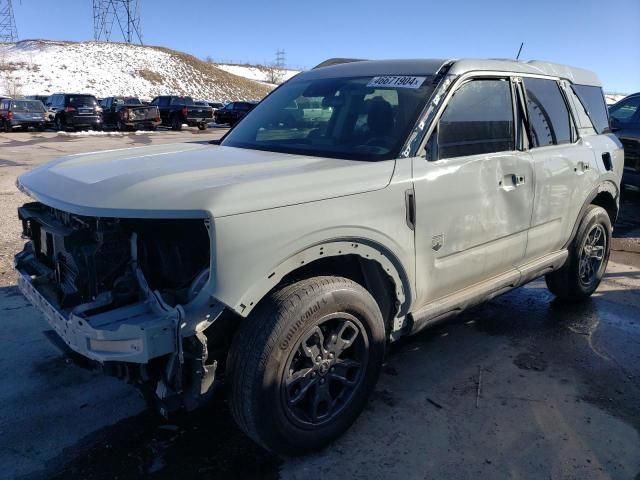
[[625, 123], [75, 110], [233, 112]]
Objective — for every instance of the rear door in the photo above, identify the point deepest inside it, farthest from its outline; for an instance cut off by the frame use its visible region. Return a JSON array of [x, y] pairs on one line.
[[565, 169], [473, 191]]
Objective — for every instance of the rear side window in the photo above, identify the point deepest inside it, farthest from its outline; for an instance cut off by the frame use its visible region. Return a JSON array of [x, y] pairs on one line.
[[548, 114], [593, 102], [478, 120], [625, 111], [163, 101]]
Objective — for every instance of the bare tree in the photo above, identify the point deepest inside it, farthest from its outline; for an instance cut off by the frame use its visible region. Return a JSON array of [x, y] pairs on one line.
[[11, 85], [274, 74]]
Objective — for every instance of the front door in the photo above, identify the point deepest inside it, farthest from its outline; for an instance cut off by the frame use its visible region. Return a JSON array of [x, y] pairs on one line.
[[473, 192]]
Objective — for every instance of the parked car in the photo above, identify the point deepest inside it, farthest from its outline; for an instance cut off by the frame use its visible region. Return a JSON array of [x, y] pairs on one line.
[[625, 123], [216, 105], [48, 116], [176, 111], [42, 98], [21, 113], [129, 113], [75, 110], [285, 259], [233, 112]]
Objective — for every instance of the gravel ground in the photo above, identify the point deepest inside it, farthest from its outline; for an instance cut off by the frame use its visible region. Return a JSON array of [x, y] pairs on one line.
[[521, 387]]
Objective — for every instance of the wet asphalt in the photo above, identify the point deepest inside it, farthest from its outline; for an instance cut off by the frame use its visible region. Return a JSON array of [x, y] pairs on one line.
[[520, 387]]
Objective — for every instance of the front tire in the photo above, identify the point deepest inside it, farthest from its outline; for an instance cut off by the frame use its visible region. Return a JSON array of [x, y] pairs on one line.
[[589, 253], [302, 366]]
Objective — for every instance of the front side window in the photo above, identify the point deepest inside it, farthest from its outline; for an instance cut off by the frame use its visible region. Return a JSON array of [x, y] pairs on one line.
[[625, 111], [593, 102], [357, 118], [549, 118], [477, 120], [163, 102]]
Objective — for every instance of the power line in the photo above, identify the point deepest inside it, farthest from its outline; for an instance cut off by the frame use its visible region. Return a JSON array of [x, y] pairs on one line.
[[123, 15], [280, 58], [8, 30]]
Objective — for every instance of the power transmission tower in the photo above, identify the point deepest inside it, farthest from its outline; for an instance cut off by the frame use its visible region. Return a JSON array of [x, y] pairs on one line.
[[280, 56], [123, 15], [8, 30]]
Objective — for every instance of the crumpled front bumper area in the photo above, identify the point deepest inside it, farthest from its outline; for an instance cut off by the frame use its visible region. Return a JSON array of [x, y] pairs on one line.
[[133, 333]]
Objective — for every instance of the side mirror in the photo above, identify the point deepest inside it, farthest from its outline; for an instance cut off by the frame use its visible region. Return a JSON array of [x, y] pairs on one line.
[[614, 124]]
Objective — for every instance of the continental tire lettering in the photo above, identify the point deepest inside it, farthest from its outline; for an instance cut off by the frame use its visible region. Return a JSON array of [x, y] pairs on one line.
[[284, 345]]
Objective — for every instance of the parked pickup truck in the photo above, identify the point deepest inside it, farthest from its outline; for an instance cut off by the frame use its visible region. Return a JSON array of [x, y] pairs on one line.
[[285, 259], [176, 111], [129, 113]]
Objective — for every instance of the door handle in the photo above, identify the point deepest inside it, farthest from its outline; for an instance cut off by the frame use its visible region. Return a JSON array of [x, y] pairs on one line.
[[581, 167], [511, 181]]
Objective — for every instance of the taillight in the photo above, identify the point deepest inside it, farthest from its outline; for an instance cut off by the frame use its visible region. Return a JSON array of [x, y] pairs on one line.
[[9, 115], [157, 119], [69, 109], [184, 111], [124, 113]]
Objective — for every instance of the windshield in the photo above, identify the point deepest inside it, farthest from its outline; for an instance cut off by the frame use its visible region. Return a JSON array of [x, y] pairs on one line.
[[359, 118], [27, 106]]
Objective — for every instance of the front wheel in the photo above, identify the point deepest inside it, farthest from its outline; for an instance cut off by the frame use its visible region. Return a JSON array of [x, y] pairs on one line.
[[302, 366], [589, 252]]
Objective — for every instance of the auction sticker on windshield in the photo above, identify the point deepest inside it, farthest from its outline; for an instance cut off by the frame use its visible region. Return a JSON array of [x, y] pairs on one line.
[[397, 81]]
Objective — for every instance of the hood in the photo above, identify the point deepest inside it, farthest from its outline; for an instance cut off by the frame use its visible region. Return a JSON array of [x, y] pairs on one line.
[[195, 180]]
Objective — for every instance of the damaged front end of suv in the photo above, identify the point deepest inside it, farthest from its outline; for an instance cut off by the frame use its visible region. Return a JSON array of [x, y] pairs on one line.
[[127, 293]]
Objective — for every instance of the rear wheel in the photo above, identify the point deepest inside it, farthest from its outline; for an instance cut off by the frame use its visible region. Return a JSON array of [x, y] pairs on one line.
[[7, 126], [588, 258], [302, 366], [202, 126], [176, 123], [58, 124]]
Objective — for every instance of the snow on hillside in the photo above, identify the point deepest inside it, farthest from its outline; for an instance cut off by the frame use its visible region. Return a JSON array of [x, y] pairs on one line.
[[612, 98], [259, 73], [39, 67]]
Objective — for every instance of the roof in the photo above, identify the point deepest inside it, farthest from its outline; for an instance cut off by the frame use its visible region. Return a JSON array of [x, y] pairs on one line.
[[432, 66]]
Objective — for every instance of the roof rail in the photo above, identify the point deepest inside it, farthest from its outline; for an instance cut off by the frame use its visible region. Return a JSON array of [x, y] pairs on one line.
[[337, 61]]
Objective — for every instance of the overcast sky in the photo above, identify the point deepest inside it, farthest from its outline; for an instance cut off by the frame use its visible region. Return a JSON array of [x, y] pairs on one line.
[[599, 35]]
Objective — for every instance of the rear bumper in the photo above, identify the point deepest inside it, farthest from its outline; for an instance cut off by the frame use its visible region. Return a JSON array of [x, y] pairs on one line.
[[133, 333], [192, 122], [78, 120]]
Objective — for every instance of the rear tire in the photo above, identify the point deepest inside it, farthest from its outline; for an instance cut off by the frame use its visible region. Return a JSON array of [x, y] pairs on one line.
[[589, 253], [176, 123], [303, 364], [7, 126], [202, 126]]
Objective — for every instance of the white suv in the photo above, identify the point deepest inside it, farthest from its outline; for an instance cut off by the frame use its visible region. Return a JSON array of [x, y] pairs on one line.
[[289, 256]]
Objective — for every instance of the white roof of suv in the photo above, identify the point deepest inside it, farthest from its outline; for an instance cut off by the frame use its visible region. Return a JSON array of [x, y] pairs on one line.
[[433, 66]]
